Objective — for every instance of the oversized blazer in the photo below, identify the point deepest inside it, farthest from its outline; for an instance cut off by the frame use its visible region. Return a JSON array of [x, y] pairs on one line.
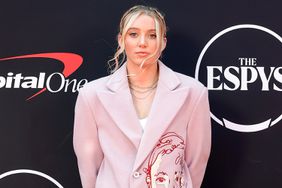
[[112, 149]]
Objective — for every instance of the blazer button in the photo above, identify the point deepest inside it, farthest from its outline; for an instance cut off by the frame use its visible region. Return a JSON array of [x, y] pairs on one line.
[[136, 174]]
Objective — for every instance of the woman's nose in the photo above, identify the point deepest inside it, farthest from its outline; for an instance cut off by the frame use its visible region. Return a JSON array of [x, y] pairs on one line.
[[142, 41]]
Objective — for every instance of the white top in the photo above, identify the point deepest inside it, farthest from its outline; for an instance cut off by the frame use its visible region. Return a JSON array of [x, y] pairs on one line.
[[143, 122]]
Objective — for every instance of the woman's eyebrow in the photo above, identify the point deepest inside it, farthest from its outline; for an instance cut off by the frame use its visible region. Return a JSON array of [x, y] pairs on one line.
[[136, 28]]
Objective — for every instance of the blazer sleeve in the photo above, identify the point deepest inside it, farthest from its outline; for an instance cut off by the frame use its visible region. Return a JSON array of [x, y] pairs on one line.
[[86, 143], [198, 141]]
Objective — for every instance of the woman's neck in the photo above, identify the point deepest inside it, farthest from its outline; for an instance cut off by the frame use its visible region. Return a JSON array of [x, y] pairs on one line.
[[142, 77]]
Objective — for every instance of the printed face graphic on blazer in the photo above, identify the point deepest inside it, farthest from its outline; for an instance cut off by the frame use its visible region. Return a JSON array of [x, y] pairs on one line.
[[168, 151]]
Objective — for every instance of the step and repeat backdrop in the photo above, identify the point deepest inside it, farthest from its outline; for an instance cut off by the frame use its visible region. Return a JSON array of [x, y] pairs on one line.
[[49, 49]]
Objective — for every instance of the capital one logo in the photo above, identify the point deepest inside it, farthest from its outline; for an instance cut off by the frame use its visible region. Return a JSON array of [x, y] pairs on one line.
[[70, 61], [241, 67]]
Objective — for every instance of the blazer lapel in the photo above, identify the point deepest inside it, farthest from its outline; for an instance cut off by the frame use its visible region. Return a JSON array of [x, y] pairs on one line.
[[167, 102], [118, 103], [168, 99]]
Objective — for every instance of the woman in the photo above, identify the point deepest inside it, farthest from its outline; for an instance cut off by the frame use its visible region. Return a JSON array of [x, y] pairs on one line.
[[144, 125]]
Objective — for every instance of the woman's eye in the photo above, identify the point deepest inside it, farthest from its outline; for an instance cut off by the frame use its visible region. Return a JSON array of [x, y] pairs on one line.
[[133, 34], [153, 36]]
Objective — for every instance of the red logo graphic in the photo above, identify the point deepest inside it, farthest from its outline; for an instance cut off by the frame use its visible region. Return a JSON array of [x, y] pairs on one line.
[[70, 61]]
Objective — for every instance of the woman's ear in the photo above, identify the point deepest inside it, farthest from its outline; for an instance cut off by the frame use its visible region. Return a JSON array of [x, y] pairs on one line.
[[119, 39], [164, 43]]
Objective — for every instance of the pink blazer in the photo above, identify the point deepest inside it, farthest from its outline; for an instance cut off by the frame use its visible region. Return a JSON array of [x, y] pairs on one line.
[[113, 151]]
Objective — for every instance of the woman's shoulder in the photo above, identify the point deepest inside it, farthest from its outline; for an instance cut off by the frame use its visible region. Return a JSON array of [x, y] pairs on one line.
[[183, 80], [188, 81], [95, 85]]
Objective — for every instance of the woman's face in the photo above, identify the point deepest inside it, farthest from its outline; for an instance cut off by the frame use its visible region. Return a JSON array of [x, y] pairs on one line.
[[141, 41]]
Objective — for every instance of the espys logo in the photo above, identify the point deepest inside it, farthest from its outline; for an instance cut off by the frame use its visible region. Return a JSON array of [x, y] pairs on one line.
[[31, 172], [70, 61], [241, 67]]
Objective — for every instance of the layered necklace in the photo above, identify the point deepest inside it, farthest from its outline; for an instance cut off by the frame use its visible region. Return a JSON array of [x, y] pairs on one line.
[[142, 93]]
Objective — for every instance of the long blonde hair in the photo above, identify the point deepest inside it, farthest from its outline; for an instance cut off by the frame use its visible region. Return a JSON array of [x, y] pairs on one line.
[[126, 21]]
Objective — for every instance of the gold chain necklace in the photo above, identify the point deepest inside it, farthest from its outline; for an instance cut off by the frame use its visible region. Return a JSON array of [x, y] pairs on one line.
[[139, 89], [142, 90], [144, 97]]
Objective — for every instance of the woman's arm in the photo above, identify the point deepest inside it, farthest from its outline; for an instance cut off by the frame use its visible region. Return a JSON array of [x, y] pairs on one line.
[[86, 143], [199, 139]]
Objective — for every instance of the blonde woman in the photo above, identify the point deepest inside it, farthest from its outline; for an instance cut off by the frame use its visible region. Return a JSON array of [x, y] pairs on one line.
[[144, 125]]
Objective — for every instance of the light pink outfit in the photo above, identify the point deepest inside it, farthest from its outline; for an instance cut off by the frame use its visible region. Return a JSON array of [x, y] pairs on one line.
[[114, 152]]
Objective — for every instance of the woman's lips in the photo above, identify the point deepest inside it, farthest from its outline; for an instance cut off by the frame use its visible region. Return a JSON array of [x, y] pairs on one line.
[[142, 53]]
